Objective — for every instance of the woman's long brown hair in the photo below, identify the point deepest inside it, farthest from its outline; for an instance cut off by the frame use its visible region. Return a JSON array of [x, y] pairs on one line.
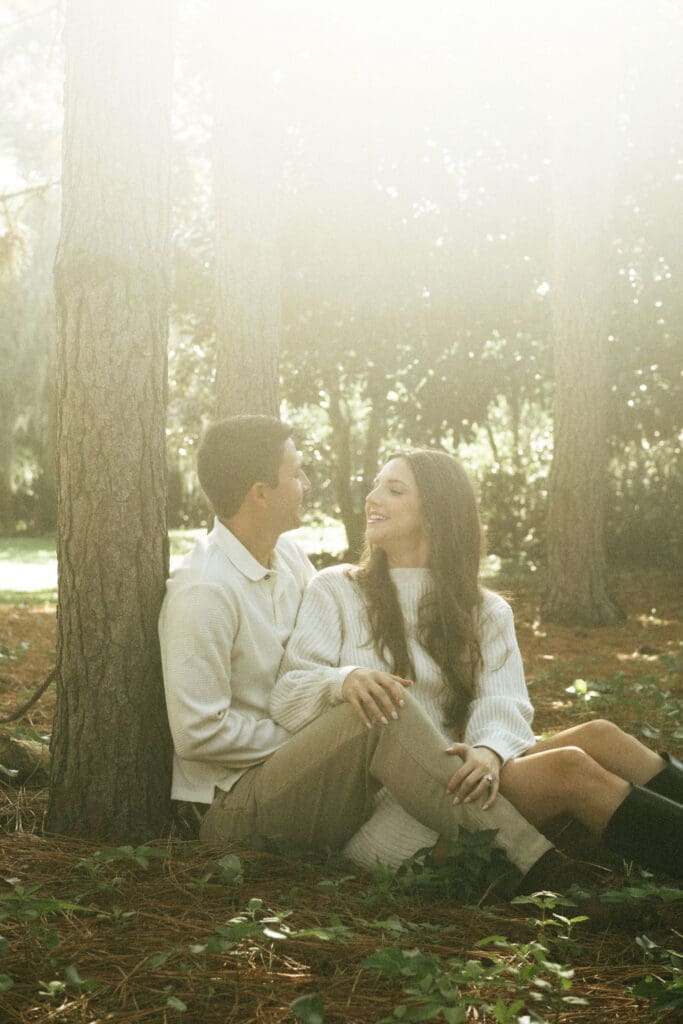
[[448, 612]]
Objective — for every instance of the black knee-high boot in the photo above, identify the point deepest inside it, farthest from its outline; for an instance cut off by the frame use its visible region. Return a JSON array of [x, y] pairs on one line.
[[648, 828], [669, 782]]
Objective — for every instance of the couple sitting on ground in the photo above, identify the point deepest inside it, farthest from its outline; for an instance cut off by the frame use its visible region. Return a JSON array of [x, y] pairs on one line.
[[377, 708]]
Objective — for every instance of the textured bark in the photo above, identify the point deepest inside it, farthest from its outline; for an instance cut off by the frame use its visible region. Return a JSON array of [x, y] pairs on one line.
[[9, 357], [6, 453], [585, 132], [246, 180], [111, 746]]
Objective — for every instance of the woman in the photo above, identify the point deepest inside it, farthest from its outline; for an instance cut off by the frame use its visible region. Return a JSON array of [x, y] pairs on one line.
[[414, 614]]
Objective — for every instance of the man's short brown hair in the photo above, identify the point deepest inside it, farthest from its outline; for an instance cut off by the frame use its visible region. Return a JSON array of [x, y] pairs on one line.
[[236, 453]]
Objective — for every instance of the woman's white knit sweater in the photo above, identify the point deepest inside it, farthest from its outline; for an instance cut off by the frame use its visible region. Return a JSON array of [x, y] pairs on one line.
[[331, 638]]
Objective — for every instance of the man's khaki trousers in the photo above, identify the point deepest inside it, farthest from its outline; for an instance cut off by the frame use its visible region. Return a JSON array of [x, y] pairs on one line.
[[317, 790]]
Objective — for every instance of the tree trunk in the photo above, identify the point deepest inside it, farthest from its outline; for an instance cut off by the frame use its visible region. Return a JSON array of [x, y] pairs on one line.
[[9, 356], [6, 455], [342, 473], [246, 180], [111, 746], [585, 125]]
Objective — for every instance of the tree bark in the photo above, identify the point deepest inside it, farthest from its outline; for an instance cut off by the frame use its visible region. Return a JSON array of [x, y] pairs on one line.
[[111, 746], [584, 115], [9, 357], [246, 180]]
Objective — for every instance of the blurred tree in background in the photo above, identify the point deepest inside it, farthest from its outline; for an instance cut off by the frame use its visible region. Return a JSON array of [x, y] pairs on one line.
[[415, 204]]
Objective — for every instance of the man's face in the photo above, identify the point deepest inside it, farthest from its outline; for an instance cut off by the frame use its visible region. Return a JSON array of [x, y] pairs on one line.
[[287, 498]]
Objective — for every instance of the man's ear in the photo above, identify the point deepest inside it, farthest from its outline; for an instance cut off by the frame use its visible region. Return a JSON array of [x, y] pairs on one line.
[[257, 495]]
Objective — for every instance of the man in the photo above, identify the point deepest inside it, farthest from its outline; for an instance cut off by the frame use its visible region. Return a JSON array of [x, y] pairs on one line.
[[224, 624]]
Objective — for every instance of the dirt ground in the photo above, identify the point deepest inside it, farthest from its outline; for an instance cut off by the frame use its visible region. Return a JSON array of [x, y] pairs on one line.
[[149, 942]]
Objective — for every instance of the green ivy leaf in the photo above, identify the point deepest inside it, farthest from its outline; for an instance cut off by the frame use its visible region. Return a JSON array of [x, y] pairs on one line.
[[308, 1009], [176, 1004]]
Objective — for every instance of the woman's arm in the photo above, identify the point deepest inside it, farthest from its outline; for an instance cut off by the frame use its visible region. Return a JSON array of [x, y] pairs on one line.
[[311, 678], [501, 713]]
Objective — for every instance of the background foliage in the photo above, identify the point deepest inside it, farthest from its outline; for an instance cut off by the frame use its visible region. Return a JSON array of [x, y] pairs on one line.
[[415, 230]]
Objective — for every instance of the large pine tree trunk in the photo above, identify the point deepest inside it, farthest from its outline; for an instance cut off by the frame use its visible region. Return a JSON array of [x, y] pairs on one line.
[[584, 117], [246, 180], [111, 746]]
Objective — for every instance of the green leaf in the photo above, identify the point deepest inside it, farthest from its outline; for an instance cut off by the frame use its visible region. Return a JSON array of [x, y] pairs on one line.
[[308, 1009], [454, 1014], [231, 869], [176, 1004], [157, 960], [72, 976], [6, 982]]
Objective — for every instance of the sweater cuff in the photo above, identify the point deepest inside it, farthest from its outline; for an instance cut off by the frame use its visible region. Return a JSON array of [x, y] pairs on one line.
[[504, 746], [338, 681]]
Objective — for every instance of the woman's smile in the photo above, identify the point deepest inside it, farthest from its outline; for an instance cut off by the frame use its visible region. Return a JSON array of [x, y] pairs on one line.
[[393, 513]]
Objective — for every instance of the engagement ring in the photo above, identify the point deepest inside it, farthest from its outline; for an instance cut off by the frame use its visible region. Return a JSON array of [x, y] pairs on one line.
[[489, 779]]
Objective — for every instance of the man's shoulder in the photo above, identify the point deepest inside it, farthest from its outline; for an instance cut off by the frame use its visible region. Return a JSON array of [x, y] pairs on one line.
[[207, 566], [293, 555]]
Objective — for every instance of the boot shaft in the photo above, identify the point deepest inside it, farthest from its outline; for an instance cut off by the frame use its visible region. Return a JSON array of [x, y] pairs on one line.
[[648, 828]]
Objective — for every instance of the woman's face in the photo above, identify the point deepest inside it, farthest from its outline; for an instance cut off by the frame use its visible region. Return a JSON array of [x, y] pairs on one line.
[[394, 519]]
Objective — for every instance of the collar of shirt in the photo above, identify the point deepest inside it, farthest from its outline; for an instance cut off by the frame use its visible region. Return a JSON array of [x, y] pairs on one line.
[[241, 558]]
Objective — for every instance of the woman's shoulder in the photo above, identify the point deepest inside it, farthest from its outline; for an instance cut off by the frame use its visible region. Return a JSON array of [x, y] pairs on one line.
[[494, 607], [334, 577]]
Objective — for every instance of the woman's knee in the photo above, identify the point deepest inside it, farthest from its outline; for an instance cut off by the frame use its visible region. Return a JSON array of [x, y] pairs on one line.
[[598, 734], [571, 765]]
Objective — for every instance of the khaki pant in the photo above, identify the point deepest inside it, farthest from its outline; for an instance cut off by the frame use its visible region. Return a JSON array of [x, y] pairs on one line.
[[317, 790]]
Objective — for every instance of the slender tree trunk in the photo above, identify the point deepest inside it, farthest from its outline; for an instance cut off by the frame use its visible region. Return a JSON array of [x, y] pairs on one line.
[[246, 181], [342, 472], [111, 745], [9, 356], [584, 116], [6, 454]]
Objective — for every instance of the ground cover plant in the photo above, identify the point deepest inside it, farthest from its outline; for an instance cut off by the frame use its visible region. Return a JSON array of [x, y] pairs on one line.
[[172, 931]]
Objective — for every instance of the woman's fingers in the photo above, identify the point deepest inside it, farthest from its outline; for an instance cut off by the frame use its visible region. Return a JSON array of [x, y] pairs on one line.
[[476, 778], [494, 786], [376, 696], [477, 784]]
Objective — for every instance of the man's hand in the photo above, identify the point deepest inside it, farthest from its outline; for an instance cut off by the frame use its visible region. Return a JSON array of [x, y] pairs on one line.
[[479, 776], [374, 696]]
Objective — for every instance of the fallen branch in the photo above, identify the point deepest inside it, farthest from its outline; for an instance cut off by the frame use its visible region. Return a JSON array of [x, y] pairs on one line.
[[23, 708]]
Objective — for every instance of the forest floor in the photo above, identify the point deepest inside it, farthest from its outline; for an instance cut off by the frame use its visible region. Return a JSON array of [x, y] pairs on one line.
[[173, 931]]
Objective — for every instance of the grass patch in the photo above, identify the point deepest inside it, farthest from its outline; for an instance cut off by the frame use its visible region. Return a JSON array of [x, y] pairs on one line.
[[24, 598], [28, 565]]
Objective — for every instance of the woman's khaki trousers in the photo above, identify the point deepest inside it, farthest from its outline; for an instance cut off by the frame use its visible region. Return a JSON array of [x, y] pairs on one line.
[[317, 790]]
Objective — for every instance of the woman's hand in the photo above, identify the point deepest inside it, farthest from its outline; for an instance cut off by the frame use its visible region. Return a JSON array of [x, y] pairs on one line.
[[478, 776], [374, 696]]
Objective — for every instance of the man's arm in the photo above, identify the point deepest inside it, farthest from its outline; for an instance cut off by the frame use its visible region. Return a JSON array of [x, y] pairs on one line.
[[198, 629]]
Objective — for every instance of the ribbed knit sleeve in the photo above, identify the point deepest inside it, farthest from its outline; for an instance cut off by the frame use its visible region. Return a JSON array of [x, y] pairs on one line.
[[501, 714], [311, 677]]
